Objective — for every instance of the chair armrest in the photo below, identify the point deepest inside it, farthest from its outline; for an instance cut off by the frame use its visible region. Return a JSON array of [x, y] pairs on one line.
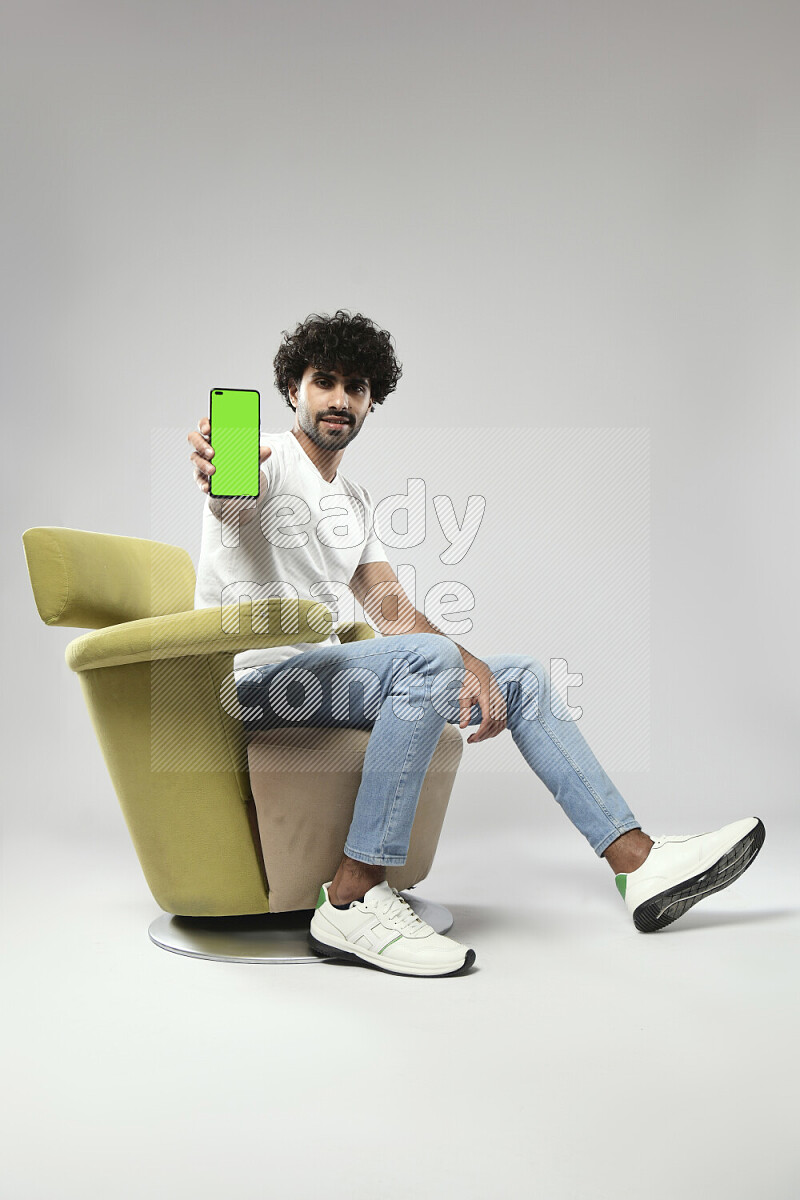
[[249, 625], [354, 631]]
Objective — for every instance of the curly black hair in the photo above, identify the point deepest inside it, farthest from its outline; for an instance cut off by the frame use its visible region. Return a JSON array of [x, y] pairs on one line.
[[348, 342]]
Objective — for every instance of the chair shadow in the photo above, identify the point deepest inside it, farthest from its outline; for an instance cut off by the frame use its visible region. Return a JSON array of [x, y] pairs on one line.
[[297, 919]]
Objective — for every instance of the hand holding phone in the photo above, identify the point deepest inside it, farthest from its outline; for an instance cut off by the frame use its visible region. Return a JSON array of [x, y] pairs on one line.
[[204, 452], [235, 419]]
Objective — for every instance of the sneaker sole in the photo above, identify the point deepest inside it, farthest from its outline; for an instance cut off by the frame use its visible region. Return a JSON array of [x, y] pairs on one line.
[[663, 909], [326, 951]]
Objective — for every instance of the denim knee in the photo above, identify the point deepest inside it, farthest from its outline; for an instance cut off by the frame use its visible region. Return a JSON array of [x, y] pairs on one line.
[[439, 652], [533, 664]]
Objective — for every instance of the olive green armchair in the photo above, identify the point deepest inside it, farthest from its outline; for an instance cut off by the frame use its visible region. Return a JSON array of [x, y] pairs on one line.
[[224, 827]]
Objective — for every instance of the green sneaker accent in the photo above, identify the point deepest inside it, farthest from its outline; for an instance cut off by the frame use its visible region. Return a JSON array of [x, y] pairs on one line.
[[391, 943], [321, 899], [621, 882]]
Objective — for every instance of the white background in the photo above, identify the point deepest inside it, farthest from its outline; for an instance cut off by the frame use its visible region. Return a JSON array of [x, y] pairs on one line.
[[575, 217]]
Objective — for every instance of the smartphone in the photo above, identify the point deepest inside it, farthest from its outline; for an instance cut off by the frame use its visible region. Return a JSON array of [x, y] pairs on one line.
[[235, 418]]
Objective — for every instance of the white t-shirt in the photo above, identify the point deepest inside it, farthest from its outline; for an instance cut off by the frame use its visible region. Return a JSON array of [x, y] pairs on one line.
[[306, 539]]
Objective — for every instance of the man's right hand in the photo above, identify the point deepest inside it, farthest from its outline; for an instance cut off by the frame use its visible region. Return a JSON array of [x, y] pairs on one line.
[[203, 453]]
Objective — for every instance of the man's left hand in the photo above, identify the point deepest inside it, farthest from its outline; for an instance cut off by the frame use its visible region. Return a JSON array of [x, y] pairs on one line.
[[480, 684]]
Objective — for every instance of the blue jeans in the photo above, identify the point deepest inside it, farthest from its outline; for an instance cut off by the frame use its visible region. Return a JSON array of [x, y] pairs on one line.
[[406, 688]]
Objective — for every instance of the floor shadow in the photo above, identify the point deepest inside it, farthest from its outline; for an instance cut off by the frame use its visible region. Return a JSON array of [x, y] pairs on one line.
[[475, 919], [708, 920]]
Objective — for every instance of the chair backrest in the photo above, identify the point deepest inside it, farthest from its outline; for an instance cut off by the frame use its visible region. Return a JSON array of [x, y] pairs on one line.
[[91, 580]]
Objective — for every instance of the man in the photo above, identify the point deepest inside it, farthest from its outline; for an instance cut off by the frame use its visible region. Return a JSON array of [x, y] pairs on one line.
[[332, 371]]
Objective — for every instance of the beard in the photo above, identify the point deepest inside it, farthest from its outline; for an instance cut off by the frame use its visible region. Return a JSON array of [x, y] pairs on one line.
[[324, 438]]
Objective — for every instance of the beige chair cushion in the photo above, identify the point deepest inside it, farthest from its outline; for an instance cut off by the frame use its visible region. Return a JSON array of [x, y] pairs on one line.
[[304, 781]]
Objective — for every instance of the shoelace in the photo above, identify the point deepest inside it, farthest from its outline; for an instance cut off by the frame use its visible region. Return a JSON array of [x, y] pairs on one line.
[[665, 839], [400, 912]]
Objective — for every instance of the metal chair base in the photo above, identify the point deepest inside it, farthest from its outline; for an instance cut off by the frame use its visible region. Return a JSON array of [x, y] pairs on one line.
[[266, 938]]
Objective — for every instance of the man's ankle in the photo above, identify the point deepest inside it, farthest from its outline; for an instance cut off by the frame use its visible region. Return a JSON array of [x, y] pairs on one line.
[[353, 880], [347, 895], [628, 852]]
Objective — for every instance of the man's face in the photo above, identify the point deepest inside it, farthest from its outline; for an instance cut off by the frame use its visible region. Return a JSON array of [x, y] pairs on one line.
[[346, 399]]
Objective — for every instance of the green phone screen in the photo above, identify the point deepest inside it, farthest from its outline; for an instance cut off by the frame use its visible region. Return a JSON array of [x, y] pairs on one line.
[[235, 427]]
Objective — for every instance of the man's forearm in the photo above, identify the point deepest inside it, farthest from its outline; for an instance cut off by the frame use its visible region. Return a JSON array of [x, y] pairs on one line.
[[410, 621]]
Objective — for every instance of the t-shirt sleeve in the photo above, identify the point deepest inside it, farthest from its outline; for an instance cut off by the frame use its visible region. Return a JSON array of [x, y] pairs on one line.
[[373, 547]]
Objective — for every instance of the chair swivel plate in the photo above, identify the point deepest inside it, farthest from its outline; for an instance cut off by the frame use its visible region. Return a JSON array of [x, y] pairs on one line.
[[267, 938]]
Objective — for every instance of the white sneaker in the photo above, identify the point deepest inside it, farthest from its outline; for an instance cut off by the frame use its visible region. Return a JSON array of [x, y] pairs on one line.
[[383, 930], [681, 870]]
